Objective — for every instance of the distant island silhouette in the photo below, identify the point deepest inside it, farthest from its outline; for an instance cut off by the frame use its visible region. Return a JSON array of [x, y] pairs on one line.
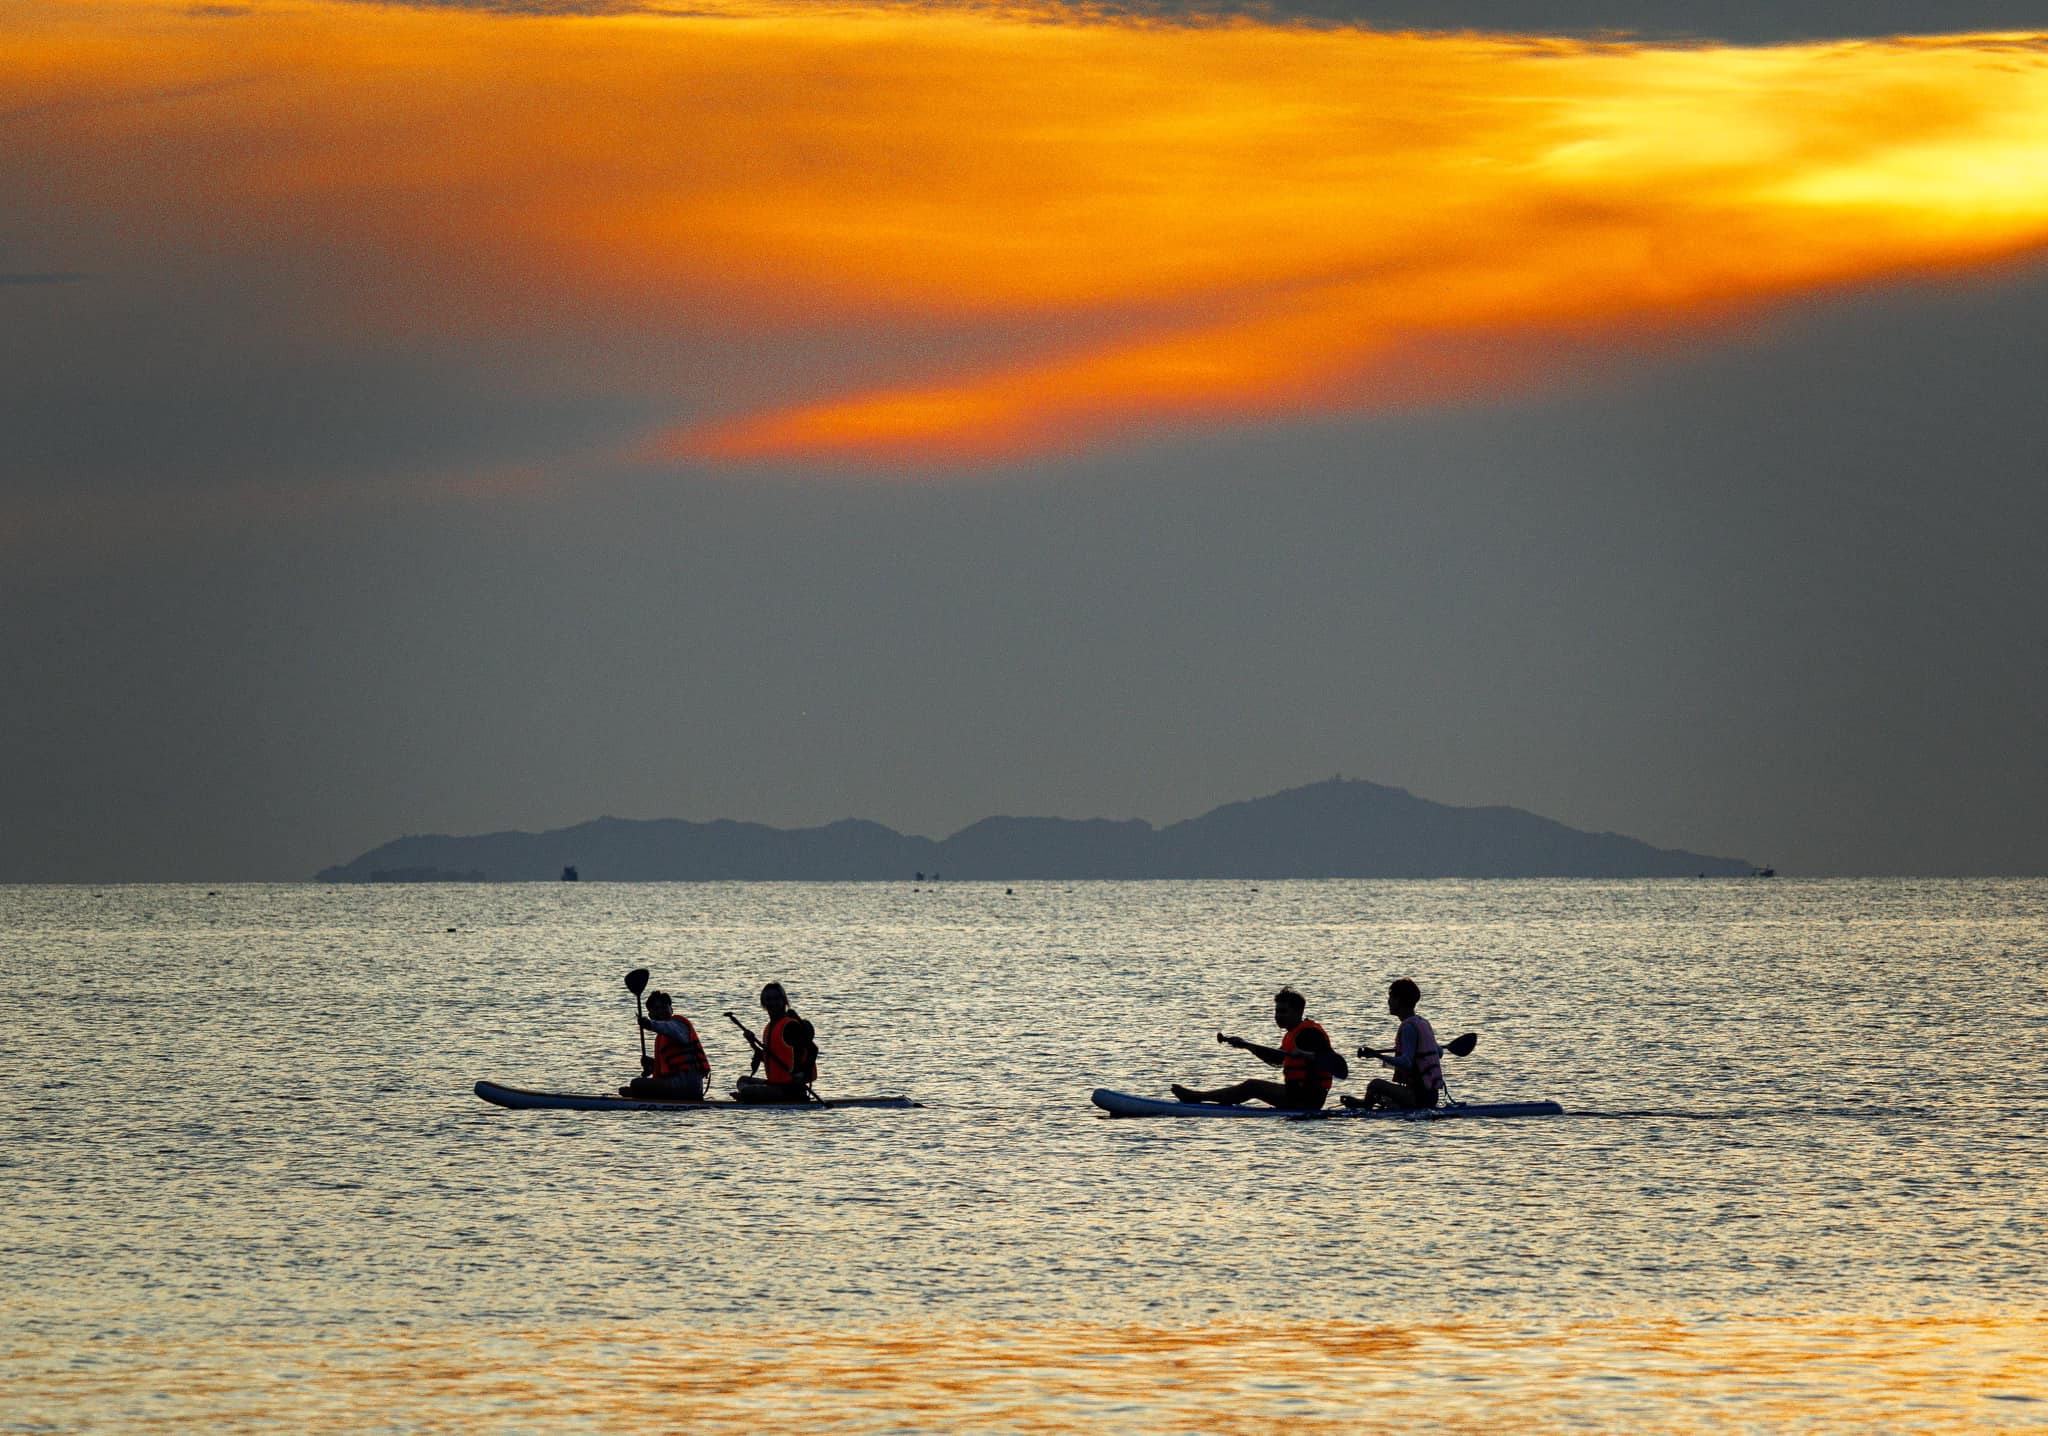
[[1334, 829]]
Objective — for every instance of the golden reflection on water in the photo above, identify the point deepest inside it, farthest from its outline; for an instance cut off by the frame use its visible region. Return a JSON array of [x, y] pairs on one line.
[[1823, 1373], [1111, 223]]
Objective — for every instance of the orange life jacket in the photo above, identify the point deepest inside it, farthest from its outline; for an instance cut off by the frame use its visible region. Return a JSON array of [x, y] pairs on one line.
[[1302, 1066], [674, 1057], [781, 1065]]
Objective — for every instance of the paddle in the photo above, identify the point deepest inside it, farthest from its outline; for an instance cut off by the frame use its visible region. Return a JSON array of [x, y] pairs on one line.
[[636, 983], [1460, 1046], [755, 1043]]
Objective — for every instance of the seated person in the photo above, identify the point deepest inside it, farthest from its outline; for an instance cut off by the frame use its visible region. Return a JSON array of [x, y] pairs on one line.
[[678, 1069], [787, 1047], [1417, 1061], [1305, 1058]]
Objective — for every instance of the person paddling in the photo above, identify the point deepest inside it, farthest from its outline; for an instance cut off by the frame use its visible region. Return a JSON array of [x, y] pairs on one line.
[[787, 1047], [678, 1069], [1417, 1060], [1305, 1058]]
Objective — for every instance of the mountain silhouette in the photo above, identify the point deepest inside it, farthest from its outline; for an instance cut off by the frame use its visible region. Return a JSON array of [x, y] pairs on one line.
[[1335, 829]]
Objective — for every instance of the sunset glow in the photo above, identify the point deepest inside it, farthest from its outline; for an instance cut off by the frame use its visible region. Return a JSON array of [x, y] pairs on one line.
[[1023, 236], [1333, 1376]]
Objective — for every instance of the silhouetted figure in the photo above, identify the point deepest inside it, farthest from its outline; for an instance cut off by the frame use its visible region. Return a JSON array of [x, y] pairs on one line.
[[1417, 1061], [678, 1069], [1305, 1058], [787, 1048]]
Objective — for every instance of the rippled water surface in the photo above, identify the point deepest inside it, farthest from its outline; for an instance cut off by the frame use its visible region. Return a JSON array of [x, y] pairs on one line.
[[1801, 1186]]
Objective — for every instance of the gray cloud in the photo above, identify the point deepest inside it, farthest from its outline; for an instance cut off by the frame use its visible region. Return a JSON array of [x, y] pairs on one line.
[[1780, 597], [1734, 21], [1738, 21], [200, 384]]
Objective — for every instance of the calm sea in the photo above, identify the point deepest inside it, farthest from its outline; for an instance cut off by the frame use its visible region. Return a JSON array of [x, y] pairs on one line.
[[247, 1188]]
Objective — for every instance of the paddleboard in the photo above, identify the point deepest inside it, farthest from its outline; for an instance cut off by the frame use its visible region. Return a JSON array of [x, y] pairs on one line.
[[520, 1099], [1124, 1104]]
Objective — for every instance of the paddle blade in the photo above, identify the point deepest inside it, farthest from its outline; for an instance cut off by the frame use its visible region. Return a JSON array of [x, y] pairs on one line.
[[636, 981], [1462, 1046]]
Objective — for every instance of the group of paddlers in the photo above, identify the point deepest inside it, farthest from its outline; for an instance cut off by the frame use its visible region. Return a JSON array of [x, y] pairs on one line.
[[1309, 1063], [787, 1048], [678, 1069]]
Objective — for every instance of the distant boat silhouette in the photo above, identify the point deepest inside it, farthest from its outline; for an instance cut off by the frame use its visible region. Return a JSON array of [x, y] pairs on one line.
[[569, 874], [1763, 872]]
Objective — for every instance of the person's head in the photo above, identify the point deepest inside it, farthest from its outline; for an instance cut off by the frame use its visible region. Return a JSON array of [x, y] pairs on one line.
[[1288, 1007], [1402, 995], [659, 1005], [774, 1001]]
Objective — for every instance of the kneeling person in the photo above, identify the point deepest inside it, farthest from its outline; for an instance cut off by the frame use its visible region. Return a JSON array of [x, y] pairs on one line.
[[1305, 1058], [678, 1070]]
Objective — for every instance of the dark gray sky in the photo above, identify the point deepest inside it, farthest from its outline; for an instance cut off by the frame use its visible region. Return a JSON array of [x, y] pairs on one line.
[[1739, 21], [1774, 592]]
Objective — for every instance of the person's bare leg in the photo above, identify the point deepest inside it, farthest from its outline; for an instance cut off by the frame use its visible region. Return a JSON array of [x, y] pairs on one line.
[[1389, 1096], [1273, 1094]]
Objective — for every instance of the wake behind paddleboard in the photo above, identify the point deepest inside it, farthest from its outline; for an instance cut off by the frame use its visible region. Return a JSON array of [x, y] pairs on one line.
[[1124, 1104], [522, 1100]]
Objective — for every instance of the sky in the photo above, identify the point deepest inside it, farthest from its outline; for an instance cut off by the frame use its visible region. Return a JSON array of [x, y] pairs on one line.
[[446, 419]]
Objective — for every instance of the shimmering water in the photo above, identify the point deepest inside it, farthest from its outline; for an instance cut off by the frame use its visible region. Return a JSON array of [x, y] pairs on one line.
[[247, 1188]]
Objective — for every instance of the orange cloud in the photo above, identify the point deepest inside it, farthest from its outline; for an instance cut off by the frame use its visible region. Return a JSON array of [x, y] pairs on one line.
[[1026, 231]]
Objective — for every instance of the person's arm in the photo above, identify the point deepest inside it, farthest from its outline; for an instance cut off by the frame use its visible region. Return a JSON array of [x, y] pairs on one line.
[[1271, 1056], [1388, 1056], [1403, 1060]]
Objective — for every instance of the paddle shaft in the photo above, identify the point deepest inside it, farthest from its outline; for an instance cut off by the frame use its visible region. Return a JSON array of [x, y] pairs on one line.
[[1459, 1046], [748, 1033]]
